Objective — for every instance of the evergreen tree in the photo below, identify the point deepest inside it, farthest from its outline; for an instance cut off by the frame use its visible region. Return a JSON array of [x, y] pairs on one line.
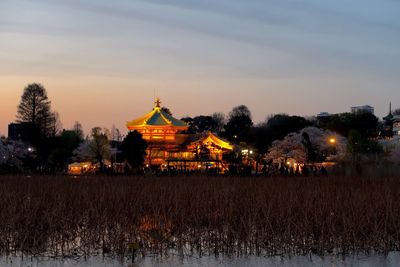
[[134, 149], [35, 108]]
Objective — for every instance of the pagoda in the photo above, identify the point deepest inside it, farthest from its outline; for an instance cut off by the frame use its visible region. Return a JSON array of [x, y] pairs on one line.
[[387, 127], [169, 144]]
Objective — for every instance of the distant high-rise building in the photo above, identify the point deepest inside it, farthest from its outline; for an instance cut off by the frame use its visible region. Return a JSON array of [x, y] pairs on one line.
[[363, 109]]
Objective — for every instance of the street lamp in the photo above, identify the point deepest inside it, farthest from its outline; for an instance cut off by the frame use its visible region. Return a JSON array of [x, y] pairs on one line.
[[332, 142]]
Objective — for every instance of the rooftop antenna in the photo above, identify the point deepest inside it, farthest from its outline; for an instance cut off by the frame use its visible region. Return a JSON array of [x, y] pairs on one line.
[[390, 107]]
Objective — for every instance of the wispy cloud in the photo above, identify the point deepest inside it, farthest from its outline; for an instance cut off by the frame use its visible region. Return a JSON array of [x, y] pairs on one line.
[[295, 56], [227, 34]]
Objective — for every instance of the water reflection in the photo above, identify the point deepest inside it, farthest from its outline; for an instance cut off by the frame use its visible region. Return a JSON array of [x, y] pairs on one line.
[[391, 260]]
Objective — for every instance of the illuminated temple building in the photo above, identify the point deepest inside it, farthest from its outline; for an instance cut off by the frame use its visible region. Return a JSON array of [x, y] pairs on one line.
[[169, 145]]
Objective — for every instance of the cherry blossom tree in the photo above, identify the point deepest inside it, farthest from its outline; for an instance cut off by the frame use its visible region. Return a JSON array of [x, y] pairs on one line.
[[12, 154], [326, 144]]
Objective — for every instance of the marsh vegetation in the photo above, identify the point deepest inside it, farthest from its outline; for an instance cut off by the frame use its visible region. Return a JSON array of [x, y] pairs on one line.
[[237, 216]]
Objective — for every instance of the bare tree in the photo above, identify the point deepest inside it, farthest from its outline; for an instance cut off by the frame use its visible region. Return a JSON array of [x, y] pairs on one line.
[[78, 129], [115, 134], [55, 125], [219, 120]]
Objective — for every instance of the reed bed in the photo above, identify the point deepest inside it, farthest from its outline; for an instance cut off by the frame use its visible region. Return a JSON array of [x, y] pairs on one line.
[[133, 216]]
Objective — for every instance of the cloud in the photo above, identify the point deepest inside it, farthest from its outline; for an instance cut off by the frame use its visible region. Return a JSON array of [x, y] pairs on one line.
[[300, 37]]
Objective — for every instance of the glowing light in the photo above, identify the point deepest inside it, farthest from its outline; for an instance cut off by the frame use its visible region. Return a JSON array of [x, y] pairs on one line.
[[199, 166], [332, 140]]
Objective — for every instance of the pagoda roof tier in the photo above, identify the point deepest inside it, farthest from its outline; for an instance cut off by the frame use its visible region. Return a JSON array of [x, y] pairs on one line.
[[157, 118], [213, 139]]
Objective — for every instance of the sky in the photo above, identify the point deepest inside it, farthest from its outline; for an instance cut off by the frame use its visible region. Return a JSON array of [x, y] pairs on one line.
[[103, 61]]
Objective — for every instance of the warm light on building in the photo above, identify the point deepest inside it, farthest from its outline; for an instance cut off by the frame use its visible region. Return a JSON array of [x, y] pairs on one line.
[[79, 168], [157, 125], [170, 146]]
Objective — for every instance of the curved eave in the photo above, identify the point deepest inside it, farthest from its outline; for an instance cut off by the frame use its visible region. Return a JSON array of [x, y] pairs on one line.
[[215, 140], [142, 120], [146, 126]]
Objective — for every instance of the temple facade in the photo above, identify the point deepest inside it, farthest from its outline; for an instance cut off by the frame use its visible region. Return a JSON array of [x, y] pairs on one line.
[[169, 145]]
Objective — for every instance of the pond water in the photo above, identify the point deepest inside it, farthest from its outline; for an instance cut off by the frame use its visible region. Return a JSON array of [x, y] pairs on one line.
[[390, 260]]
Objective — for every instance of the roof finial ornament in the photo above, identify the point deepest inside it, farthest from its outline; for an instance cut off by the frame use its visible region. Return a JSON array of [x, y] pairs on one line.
[[158, 103]]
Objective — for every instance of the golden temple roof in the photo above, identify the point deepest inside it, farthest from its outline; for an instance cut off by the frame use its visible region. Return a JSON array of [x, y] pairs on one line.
[[157, 117], [212, 138]]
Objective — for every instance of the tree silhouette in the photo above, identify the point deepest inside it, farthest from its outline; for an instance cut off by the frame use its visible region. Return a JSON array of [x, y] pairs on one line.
[[100, 146], [166, 110], [35, 108], [96, 149], [310, 151], [276, 127], [202, 124], [359, 145], [239, 124], [219, 121], [78, 129], [61, 149], [365, 123], [134, 149]]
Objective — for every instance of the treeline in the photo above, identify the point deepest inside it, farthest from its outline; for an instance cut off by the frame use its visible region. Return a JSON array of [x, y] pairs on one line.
[[50, 149], [46, 148]]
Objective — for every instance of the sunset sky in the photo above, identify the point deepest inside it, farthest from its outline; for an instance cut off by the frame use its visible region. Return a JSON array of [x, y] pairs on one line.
[[101, 61]]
